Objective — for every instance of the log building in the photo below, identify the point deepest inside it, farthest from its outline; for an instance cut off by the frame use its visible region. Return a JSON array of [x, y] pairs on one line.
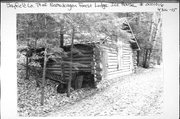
[[110, 58]]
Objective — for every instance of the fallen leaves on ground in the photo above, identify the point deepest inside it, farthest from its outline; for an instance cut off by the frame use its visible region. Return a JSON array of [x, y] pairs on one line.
[[136, 94]]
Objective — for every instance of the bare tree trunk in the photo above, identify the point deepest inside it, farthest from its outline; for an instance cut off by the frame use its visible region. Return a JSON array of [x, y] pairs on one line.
[[37, 83], [27, 62], [43, 78], [44, 69], [153, 36], [149, 56], [70, 78], [158, 61], [138, 58], [61, 39], [27, 67], [145, 58], [62, 33]]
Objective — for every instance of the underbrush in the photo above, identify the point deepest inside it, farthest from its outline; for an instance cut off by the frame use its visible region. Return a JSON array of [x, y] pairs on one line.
[[29, 96]]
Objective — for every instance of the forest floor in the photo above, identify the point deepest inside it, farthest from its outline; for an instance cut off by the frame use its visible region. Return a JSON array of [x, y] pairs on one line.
[[140, 93], [136, 94]]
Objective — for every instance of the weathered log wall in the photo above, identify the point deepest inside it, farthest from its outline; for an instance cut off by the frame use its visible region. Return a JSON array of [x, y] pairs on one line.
[[134, 61], [101, 61], [85, 58], [118, 62]]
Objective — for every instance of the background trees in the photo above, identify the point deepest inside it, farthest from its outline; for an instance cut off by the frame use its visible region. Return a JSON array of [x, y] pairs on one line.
[[147, 29]]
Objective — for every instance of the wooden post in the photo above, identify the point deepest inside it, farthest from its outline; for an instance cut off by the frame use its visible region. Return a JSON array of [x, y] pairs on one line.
[[70, 78]]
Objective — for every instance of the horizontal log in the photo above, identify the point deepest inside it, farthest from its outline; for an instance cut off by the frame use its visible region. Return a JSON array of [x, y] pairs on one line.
[[57, 72], [125, 67], [126, 58], [88, 62], [86, 52], [54, 68], [115, 53], [126, 50], [125, 54], [118, 72], [81, 62], [113, 67], [85, 65], [112, 54], [111, 50], [128, 64], [74, 70], [110, 70], [67, 73], [113, 63], [84, 55], [126, 61], [81, 68], [79, 59], [112, 58]]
